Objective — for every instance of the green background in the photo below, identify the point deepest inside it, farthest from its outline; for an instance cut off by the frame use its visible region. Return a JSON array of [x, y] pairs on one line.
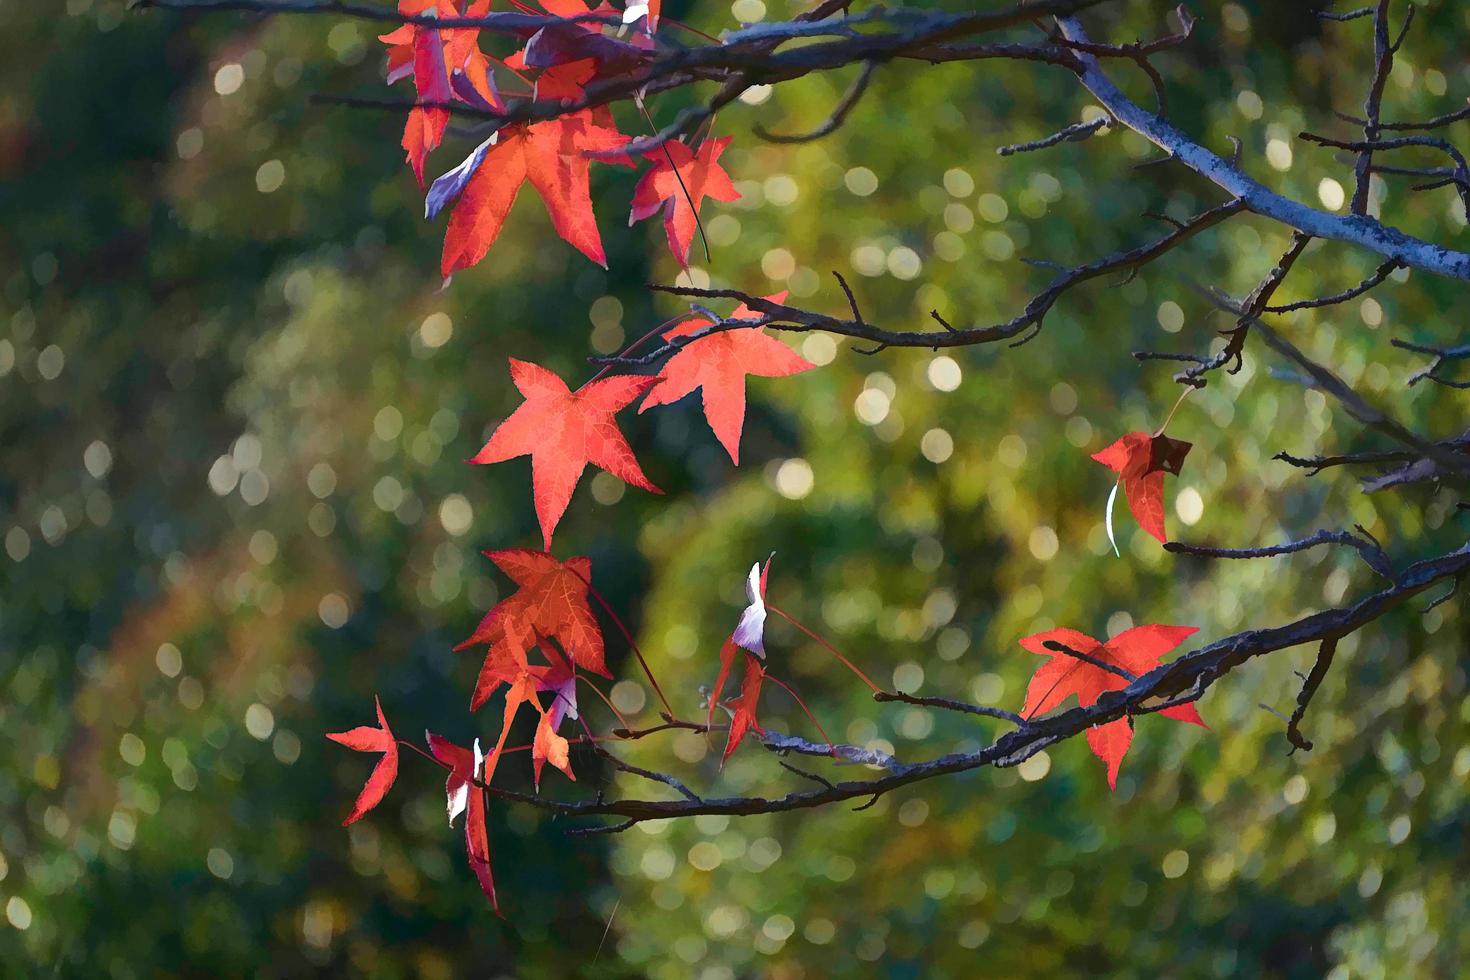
[[234, 409]]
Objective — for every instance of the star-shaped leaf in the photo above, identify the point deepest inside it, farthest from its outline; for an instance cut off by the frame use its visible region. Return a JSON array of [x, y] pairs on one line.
[[367, 739], [718, 364], [562, 431], [549, 603], [1136, 651], [551, 155], [680, 187]]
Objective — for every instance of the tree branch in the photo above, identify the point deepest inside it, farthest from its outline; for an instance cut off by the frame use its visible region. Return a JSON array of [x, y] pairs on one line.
[[1354, 229]]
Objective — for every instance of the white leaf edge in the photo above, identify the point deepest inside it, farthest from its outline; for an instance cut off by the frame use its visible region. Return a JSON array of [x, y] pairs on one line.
[[1108, 518]]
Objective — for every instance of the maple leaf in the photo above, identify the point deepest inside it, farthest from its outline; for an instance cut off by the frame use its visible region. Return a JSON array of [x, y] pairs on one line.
[[680, 187], [749, 636], [548, 746], [464, 797], [550, 602], [367, 739], [718, 364], [562, 431], [1141, 460], [1135, 650], [552, 155]]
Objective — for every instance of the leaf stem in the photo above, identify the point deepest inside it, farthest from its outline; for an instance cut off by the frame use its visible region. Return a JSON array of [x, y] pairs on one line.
[[830, 648], [632, 643]]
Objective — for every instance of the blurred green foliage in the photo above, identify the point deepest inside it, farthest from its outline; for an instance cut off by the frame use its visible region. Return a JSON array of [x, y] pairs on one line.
[[234, 406]]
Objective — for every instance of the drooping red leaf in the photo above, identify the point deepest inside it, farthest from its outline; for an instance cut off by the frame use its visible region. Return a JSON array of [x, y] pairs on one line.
[[1136, 650], [436, 59], [743, 720], [718, 364], [728, 652], [465, 797], [1141, 460], [679, 189], [458, 787], [477, 847], [548, 746], [367, 739], [550, 602], [562, 431]]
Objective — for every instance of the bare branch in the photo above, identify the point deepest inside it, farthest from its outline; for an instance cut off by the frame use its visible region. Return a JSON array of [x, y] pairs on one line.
[[1319, 463], [839, 114], [1355, 229], [1294, 735], [1359, 408], [1346, 15], [1074, 133], [779, 316], [950, 704], [1371, 553], [1440, 355], [1383, 272]]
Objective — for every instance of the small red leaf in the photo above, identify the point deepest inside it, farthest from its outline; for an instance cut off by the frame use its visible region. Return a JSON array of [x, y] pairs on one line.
[[745, 709], [718, 364], [550, 747], [553, 157], [1141, 460], [680, 187], [365, 739]]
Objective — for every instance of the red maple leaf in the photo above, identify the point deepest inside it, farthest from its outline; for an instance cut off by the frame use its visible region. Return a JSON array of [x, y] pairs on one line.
[[464, 797], [550, 603], [679, 189], [562, 431], [366, 739], [718, 364], [1141, 460], [1136, 650], [553, 156]]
